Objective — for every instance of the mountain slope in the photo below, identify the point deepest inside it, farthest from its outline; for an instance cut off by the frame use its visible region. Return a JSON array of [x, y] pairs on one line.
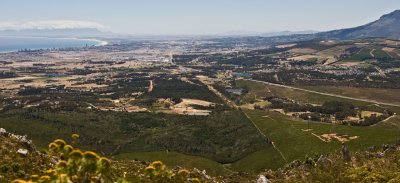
[[387, 26]]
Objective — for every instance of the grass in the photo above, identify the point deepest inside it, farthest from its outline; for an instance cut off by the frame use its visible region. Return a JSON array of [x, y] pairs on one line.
[[393, 123], [364, 54], [259, 161], [173, 159], [294, 143], [380, 54]]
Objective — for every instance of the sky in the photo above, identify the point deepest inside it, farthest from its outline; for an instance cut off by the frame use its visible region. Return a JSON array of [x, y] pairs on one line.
[[191, 17]]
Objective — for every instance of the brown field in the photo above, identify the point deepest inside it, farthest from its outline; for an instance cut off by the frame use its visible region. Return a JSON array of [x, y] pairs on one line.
[[286, 46], [303, 50], [304, 57], [333, 136], [376, 94], [185, 107]]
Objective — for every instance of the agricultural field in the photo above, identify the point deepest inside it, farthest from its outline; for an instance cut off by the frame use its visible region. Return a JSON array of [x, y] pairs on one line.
[[260, 90], [294, 138], [376, 94], [297, 139]]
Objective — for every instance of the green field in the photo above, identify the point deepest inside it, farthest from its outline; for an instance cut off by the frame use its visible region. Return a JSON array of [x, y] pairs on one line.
[[288, 135], [259, 161], [286, 132], [380, 54], [363, 54], [177, 159], [296, 144]]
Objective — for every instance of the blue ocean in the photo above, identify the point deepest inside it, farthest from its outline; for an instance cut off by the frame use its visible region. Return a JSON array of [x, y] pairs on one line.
[[10, 44]]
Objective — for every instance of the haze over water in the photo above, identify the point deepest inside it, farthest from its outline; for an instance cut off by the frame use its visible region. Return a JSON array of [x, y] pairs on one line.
[[10, 44]]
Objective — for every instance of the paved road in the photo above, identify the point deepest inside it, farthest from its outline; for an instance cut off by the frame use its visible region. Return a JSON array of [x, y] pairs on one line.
[[204, 79], [326, 94], [372, 53]]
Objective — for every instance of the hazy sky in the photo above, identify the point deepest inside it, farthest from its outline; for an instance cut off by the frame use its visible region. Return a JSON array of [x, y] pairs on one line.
[[193, 17]]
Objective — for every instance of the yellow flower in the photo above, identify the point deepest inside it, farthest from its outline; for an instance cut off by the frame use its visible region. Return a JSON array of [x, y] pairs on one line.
[[50, 172], [34, 176], [75, 136], [53, 146], [19, 181], [183, 173], [45, 178], [60, 143], [195, 180], [68, 148], [76, 154], [150, 169], [158, 165], [89, 155], [64, 178], [105, 162]]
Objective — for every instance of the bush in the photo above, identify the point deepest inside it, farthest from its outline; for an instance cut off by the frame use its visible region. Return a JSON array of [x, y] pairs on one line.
[[75, 165], [4, 168]]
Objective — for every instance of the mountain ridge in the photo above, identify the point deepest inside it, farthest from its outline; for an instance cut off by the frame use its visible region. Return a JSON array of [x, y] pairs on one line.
[[387, 26]]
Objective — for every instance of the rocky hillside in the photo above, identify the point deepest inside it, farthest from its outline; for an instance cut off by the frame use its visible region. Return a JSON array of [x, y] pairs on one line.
[[19, 157], [64, 163], [388, 26], [378, 164]]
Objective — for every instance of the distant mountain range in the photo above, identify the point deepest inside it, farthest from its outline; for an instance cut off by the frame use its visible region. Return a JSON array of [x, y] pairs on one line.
[[266, 34], [388, 26]]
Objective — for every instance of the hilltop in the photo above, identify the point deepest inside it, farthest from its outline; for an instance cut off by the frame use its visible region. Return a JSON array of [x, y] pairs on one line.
[[387, 26]]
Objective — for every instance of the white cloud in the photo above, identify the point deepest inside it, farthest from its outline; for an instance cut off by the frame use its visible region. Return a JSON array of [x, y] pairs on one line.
[[53, 24]]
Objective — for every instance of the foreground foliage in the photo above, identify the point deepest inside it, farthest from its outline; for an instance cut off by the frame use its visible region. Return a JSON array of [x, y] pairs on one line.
[[375, 165], [66, 164], [75, 165]]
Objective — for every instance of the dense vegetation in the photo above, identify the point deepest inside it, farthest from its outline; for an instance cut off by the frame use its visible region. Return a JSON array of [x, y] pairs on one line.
[[224, 136], [174, 88], [316, 78], [337, 109], [71, 164]]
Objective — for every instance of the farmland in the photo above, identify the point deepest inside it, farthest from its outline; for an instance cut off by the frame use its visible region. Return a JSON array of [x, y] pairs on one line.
[[198, 109]]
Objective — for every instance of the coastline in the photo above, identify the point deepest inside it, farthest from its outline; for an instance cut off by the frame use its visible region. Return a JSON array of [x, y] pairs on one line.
[[95, 42]]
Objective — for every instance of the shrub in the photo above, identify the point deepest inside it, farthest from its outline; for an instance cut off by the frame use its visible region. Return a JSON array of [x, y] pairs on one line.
[[75, 165]]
